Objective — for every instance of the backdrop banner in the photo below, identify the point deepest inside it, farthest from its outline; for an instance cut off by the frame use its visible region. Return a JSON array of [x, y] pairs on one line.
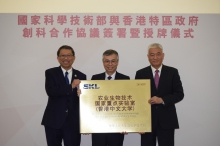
[[29, 44]]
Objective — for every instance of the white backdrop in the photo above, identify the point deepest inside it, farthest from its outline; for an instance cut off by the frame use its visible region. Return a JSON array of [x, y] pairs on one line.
[[23, 61]]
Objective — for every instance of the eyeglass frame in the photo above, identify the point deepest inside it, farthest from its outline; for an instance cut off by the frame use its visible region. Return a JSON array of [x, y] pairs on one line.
[[66, 56]]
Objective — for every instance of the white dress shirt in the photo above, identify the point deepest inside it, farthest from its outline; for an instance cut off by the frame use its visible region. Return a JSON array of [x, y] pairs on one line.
[[113, 76], [70, 73]]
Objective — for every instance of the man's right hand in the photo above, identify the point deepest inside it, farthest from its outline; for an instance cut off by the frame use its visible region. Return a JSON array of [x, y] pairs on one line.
[[75, 83], [78, 92]]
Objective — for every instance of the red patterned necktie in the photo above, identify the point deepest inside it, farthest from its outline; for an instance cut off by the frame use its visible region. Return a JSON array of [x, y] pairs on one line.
[[156, 78]]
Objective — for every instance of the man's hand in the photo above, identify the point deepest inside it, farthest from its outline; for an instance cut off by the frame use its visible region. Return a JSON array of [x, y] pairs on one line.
[[75, 83], [124, 132], [141, 132], [78, 92], [155, 100]]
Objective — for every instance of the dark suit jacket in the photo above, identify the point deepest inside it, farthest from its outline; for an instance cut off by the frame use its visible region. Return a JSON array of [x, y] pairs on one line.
[[170, 90], [60, 98], [99, 139], [118, 76]]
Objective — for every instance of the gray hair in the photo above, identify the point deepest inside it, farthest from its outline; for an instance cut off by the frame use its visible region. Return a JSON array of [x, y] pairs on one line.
[[155, 45], [110, 52]]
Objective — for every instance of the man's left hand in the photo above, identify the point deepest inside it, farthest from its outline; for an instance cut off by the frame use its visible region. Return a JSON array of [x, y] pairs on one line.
[[155, 100]]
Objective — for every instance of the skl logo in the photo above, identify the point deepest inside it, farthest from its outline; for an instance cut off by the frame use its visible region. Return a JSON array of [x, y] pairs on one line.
[[91, 86]]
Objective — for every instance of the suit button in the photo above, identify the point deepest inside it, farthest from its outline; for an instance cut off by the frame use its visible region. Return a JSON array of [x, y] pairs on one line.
[[67, 93]]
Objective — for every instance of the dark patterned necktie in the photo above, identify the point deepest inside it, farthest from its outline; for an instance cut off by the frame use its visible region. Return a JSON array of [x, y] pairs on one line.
[[156, 78], [109, 77], [66, 78]]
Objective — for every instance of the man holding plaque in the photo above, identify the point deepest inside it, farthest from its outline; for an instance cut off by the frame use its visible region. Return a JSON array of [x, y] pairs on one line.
[[166, 91], [110, 62], [61, 116]]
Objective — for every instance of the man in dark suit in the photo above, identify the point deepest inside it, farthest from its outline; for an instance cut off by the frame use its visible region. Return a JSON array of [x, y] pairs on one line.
[[61, 116], [166, 91], [110, 61]]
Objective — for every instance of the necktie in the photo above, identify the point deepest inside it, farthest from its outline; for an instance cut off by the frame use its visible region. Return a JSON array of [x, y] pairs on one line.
[[156, 78], [66, 78], [109, 77]]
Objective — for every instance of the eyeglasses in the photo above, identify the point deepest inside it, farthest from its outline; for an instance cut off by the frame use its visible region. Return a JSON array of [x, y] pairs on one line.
[[110, 61], [66, 56]]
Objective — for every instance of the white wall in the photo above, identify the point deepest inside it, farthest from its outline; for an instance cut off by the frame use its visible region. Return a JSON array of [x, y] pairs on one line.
[[23, 63]]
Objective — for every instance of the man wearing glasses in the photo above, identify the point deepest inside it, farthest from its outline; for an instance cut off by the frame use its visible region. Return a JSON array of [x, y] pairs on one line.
[[61, 116], [110, 62]]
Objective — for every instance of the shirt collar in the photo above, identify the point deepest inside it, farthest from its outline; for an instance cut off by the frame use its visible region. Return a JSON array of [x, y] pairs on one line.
[[153, 69], [64, 71], [113, 76]]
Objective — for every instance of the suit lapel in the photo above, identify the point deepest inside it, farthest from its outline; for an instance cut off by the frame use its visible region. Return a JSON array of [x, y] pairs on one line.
[[102, 76], [74, 75], [162, 76], [151, 77], [117, 76], [149, 73], [61, 76]]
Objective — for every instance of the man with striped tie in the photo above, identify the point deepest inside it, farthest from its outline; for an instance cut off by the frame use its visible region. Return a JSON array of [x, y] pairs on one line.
[[61, 116]]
